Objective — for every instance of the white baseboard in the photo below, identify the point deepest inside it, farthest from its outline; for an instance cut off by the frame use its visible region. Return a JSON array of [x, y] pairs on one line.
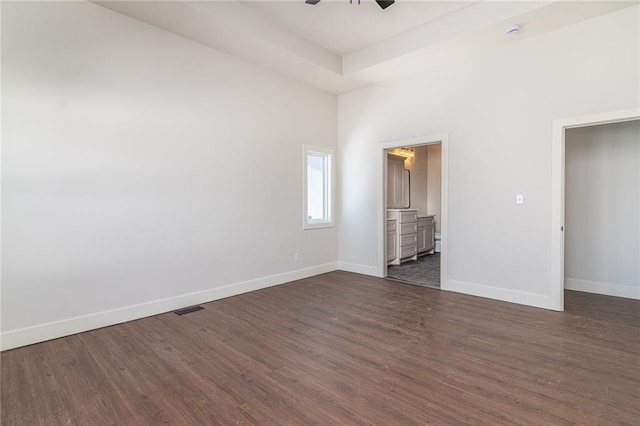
[[523, 298], [42, 332], [359, 269], [609, 289]]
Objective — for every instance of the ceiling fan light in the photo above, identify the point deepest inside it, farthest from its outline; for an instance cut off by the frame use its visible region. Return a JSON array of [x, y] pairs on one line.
[[385, 3]]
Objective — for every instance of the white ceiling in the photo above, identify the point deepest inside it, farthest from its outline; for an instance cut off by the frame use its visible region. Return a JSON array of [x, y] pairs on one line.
[[337, 46], [344, 28]]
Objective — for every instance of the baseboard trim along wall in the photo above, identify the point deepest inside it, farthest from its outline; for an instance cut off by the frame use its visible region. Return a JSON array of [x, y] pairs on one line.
[[359, 269], [513, 296], [53, 330], [608, 289], [472, 289]]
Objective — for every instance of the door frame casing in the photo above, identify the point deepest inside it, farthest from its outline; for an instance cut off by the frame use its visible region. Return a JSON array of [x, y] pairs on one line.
[[558, 165], [442, 139]]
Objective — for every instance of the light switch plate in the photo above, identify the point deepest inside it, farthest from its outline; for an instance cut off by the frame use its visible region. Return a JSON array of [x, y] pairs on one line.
[[520, 199]]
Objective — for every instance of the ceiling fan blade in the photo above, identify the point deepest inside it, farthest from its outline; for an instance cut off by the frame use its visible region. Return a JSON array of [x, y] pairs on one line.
[[312, 1], [384, 3]]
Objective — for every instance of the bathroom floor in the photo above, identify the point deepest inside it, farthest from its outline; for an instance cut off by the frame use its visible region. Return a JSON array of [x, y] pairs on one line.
[[424, 271]]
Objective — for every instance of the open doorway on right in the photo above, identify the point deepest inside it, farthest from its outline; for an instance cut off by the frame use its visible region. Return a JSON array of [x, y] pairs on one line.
[[418, 194], [602, 209]]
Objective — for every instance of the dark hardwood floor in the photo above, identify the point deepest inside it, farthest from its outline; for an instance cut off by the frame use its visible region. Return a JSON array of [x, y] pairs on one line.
[[340, 348]]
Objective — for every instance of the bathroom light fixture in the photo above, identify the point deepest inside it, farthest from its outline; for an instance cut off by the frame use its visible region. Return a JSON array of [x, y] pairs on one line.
[[407, 152]]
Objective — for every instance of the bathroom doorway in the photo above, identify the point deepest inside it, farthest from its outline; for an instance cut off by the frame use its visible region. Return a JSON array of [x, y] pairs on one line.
[[414, 225]]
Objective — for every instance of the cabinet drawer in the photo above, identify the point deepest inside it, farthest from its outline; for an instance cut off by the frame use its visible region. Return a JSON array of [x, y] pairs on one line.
[[391, 225], [408, 239], [408, 251], [409, 216], [408, 228]]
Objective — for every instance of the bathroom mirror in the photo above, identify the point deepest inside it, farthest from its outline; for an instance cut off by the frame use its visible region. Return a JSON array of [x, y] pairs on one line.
[[407, 189]]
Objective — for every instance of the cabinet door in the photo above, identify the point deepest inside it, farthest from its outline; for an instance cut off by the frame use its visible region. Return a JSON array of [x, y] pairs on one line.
[[395, 182], [422, 238], [391, 245], [429, 236]]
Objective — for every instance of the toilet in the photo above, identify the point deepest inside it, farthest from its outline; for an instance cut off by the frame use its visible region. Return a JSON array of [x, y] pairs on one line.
[[438, 242]]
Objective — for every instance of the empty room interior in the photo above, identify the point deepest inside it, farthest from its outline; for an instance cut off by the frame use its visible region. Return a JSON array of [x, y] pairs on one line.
[[320, 212]]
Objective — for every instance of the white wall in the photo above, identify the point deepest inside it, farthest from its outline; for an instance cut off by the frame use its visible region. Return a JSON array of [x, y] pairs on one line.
[[602, 209], [143, 172], [419, 180], [434, 183], [497, 108]]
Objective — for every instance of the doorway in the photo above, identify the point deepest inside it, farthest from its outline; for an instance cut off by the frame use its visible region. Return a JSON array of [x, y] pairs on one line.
[[558, 224], [423, 198], [602, 215]]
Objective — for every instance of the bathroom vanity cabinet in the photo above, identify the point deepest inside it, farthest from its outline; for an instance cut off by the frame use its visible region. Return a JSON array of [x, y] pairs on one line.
[[406, 238]]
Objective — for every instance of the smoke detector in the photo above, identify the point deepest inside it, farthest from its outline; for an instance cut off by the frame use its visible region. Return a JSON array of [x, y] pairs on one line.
[[513, 29]]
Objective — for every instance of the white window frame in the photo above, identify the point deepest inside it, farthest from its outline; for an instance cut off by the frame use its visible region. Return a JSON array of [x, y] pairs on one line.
[[327, 221]]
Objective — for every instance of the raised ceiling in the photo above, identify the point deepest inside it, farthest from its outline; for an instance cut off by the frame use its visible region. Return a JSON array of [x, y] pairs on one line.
[[344, 28], [339, 46]]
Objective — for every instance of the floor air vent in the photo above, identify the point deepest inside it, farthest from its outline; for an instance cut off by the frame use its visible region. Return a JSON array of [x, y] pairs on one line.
[[188, 310]]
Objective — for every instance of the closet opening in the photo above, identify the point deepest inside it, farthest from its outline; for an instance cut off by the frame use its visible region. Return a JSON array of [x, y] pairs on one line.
[[607, 207], [602, 209]]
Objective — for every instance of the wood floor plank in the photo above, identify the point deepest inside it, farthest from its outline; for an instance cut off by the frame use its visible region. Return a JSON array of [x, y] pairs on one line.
[[340, 348]]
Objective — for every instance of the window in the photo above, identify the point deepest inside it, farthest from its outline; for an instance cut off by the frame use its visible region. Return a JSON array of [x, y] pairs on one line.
[[317, 187]]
